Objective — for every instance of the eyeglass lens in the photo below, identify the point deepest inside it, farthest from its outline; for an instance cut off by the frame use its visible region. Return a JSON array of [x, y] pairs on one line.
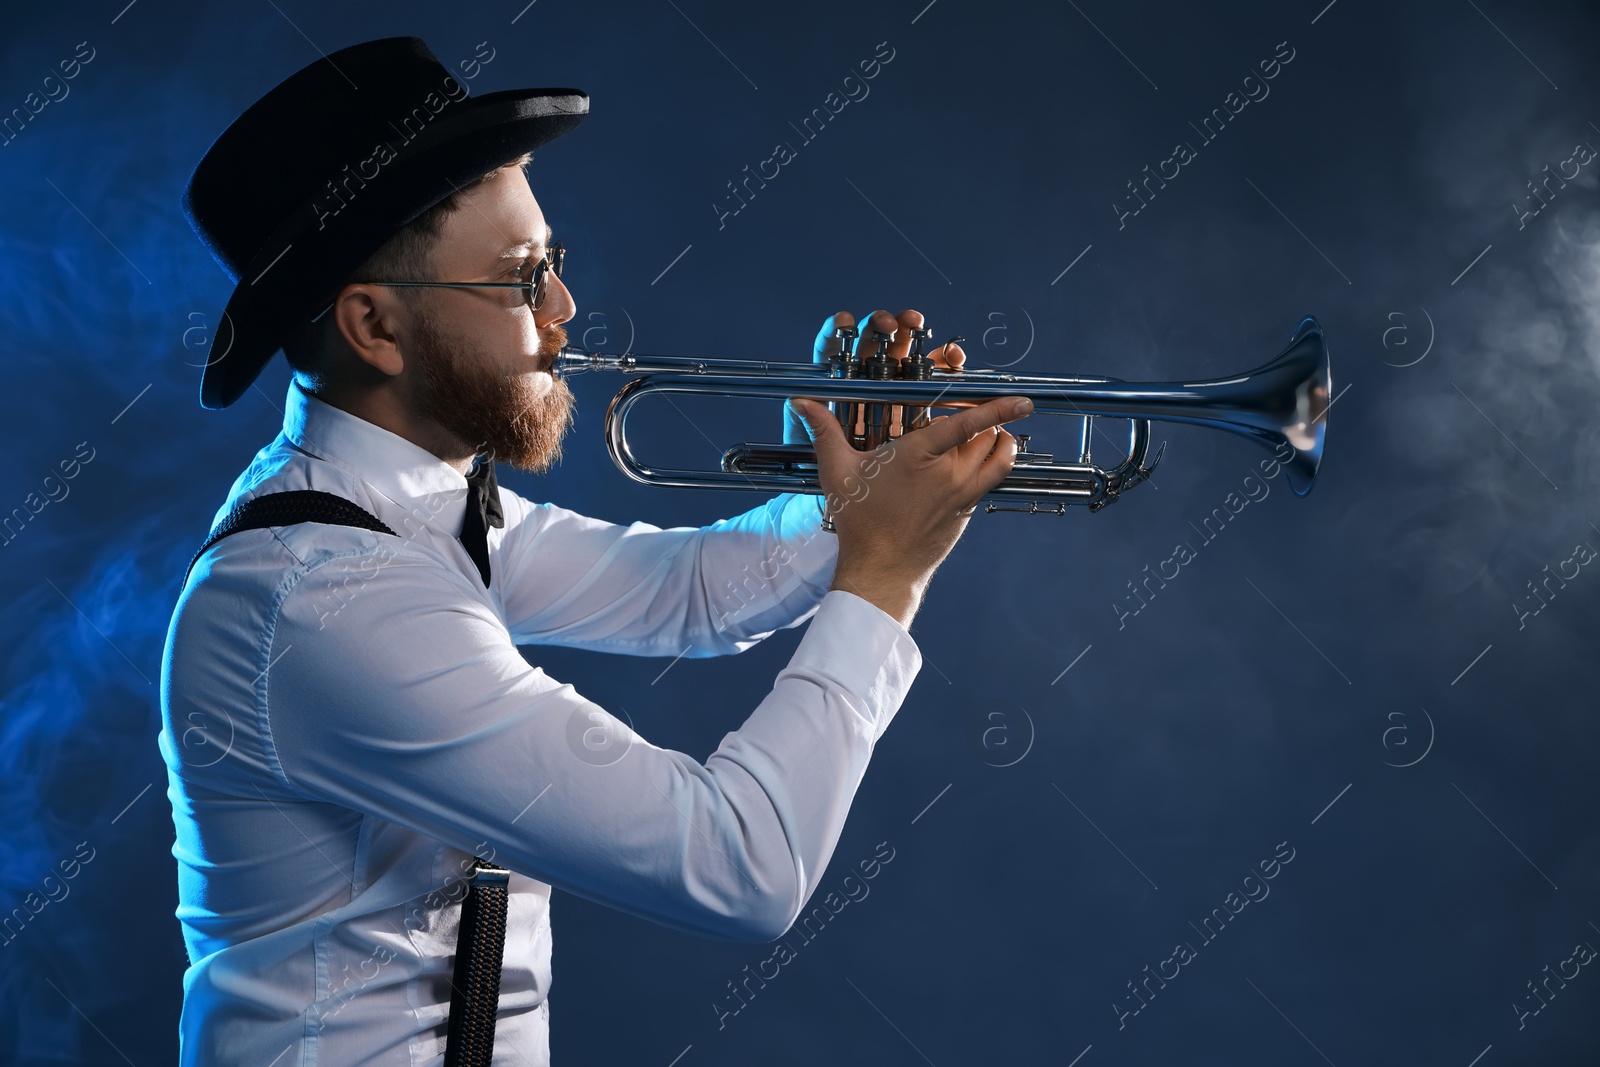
[[552, 262]]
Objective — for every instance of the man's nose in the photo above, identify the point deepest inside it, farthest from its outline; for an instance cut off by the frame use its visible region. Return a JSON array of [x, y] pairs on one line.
[[558, 306]]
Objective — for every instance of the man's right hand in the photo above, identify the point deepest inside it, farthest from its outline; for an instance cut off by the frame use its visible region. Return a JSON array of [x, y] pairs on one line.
[[900, 509]]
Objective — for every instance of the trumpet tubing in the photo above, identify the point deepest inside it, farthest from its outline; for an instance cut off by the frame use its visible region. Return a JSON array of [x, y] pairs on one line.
[[1282, 405]]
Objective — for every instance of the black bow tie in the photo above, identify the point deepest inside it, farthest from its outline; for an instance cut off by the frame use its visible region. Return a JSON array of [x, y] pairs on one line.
[[483, 511]]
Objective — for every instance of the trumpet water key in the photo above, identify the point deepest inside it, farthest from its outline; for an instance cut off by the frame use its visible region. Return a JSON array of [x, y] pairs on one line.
[[1282, 405]]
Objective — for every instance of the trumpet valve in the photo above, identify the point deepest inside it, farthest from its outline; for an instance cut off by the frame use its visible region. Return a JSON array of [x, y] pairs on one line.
[[878, 367], [847, 345], [916, 367], [846, 365]]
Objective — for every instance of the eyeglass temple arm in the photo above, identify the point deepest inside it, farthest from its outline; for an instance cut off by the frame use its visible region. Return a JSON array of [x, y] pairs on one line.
[[557, 253]]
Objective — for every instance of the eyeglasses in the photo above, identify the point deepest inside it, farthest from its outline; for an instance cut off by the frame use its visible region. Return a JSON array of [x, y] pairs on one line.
[[533, 290]]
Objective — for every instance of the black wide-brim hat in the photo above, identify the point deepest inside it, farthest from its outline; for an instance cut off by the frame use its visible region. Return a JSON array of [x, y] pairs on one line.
[[315, 176]]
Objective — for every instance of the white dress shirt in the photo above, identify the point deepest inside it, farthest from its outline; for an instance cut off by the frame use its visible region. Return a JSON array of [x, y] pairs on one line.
[[347, 717]]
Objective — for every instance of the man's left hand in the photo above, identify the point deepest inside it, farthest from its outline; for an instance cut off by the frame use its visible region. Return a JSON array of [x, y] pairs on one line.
[[946, 357]]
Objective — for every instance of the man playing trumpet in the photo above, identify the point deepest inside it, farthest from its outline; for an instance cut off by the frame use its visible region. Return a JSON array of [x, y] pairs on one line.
[[395, 770]]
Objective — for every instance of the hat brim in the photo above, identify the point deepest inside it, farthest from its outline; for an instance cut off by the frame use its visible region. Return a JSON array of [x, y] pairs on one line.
[[319, 247]]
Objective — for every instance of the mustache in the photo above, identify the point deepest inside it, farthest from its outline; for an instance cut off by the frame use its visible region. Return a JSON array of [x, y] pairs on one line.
[[551, 342]]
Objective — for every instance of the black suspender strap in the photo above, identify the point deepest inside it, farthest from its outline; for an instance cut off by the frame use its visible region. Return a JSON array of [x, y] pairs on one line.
[[480, 948], [286, 509]]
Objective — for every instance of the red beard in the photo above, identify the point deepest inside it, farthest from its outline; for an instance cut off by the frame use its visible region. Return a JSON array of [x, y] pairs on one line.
[[488, 409]]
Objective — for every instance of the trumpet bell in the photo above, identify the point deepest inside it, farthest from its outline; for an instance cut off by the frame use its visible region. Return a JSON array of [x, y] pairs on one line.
[[1283, 404]]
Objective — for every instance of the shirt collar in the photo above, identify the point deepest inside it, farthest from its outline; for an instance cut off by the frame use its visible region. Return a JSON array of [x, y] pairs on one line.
[[406, 473]]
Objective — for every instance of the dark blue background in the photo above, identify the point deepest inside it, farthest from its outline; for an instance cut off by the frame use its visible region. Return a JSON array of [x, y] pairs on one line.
[[1309, 650]]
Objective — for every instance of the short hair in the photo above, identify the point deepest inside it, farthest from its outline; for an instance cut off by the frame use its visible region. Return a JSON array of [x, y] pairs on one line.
[[406, 255]]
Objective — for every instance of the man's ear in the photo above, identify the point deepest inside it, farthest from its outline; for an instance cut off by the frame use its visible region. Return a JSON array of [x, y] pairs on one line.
[[369, 319]]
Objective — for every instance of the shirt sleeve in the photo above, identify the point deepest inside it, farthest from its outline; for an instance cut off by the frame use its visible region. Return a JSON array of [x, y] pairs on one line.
[[566, 579], [414, 705]]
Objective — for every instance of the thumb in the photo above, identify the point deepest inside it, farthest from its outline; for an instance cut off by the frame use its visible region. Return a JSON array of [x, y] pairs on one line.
[[824, 430]]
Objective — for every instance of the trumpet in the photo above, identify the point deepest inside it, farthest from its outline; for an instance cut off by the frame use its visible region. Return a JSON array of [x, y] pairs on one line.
[[1282, 405]]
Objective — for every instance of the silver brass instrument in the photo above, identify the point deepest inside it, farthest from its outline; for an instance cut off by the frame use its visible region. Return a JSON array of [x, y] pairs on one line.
[[1282, 405]]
